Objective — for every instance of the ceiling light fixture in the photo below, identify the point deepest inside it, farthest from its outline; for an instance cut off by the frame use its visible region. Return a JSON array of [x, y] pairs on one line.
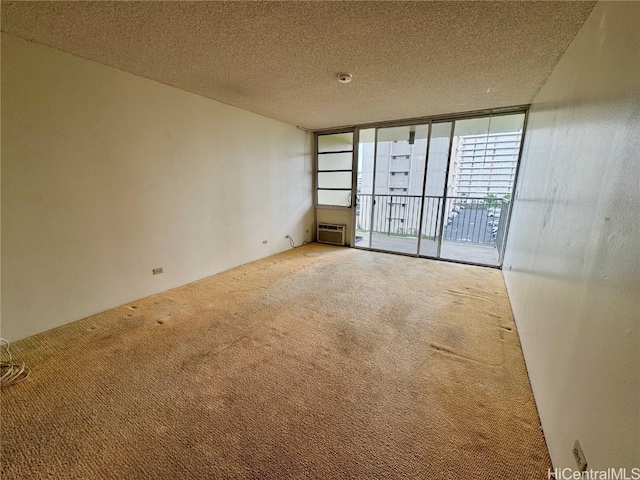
[[344, 77]]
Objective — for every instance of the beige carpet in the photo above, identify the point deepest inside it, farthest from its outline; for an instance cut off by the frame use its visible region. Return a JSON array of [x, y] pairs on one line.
[[321, 362]]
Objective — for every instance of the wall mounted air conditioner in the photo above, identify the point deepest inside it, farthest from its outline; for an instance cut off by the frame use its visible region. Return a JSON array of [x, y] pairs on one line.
[[332, 234]]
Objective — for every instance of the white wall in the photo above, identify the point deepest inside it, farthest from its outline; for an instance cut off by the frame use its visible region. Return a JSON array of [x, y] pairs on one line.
[[106, 175], [572, 264]]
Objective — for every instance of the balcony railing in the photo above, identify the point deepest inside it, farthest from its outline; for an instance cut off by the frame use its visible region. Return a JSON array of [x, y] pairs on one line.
[[473, 220]]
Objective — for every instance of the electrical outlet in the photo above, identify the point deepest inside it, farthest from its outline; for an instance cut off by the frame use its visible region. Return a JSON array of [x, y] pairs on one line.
[[578, 454], [159, 270]]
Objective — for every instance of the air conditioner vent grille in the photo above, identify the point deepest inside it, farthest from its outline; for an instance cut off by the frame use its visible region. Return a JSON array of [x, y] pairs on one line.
[[331, 234]]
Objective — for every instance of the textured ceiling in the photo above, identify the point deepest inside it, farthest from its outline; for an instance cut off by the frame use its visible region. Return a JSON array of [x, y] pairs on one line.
[[280, 59]]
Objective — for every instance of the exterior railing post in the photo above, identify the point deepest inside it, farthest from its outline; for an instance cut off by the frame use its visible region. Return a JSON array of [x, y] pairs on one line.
[[390, 213]]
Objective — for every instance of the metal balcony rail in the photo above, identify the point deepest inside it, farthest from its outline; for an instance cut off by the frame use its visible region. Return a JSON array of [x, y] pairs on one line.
[[475, 220]]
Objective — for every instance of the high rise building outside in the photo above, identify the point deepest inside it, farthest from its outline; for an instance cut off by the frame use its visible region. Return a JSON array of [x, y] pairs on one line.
[[485, 164], [481, 165]]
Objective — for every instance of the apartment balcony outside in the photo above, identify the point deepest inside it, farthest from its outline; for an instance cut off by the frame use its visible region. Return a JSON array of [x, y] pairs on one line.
[[471, 228]]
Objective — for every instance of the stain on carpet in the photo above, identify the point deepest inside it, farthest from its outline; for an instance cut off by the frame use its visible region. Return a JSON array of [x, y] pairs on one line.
[[320, 362]]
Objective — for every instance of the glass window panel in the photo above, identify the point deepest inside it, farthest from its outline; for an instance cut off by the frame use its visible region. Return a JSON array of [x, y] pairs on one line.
[[506, 124], [335, 142], [364, 202], [441, 130], [402, 134], [335, 161], [334, 179], [334, 197], [366, 149], [368, 135], [438, 158], [473, 126]]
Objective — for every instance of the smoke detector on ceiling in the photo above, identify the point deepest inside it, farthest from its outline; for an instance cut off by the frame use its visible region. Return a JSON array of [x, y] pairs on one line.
[[344, 77]]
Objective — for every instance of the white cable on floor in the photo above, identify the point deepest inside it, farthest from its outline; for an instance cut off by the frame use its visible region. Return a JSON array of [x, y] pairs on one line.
[[292, 243], [10, 372]]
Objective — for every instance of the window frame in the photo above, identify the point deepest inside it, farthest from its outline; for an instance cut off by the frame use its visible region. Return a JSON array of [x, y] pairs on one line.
[[318, 171]]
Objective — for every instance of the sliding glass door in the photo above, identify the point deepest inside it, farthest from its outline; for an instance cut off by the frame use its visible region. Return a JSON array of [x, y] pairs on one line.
[[391, 166], [482, 173], [434, 189], [440, 189]]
